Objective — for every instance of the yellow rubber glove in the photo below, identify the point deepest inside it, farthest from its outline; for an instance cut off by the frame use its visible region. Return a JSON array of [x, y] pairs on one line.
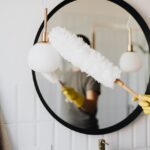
[[73, 96], [144, 102]]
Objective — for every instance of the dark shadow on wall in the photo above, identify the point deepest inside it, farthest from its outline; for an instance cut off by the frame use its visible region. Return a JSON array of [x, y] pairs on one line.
[[5, 143]]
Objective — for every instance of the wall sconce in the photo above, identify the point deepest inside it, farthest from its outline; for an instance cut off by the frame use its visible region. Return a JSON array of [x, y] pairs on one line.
[[130, 60], [43, 57]]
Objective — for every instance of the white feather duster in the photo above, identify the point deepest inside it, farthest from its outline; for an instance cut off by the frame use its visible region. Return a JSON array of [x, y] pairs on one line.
[[74, 50], [53, 77]]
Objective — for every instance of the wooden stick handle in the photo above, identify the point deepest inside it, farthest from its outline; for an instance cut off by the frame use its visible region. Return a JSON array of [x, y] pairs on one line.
[[61, 83], [125, 87]]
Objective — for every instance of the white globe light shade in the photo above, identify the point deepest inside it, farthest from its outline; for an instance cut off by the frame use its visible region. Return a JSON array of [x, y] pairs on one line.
[[44, 58], [130, 62]]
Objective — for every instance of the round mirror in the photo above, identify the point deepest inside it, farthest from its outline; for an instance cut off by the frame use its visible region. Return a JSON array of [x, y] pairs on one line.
[[103, 25]]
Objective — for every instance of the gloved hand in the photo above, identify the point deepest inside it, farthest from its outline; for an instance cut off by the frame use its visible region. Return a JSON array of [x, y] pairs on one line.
[[144, 102], [73, 96]]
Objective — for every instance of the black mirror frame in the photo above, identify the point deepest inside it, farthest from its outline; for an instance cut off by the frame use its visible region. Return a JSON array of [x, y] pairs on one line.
[[135, 113]]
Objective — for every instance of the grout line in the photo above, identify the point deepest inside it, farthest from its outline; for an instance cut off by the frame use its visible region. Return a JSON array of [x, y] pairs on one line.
[[35, 106], [35, 134], [132, 136], [16, 91], [88, 143], [14, 123], [118, 145], [71, 136], [86, 136], [35, 119], [17, 125], [148, 131], [23, 122], [53, 135], [146, 126], [16, 101]]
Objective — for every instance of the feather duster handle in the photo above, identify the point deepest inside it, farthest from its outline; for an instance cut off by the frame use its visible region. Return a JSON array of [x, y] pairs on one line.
[[74, 50]]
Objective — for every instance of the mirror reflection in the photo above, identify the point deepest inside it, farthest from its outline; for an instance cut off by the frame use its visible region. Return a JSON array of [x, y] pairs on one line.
[[84, 102]]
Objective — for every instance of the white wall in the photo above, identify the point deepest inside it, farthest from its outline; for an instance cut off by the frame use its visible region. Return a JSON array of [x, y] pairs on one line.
[[29, 125]]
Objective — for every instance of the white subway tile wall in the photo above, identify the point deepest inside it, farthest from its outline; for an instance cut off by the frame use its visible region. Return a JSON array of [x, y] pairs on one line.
[[139, 131], [126, 137], [112, 140], [29, 125], [93, 142], [45, 134], [79, 141], [148, 133]]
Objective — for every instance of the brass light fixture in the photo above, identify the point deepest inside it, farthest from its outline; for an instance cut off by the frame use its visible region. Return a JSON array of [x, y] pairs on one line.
[[130, 46], [43, 57], [130, 61]]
